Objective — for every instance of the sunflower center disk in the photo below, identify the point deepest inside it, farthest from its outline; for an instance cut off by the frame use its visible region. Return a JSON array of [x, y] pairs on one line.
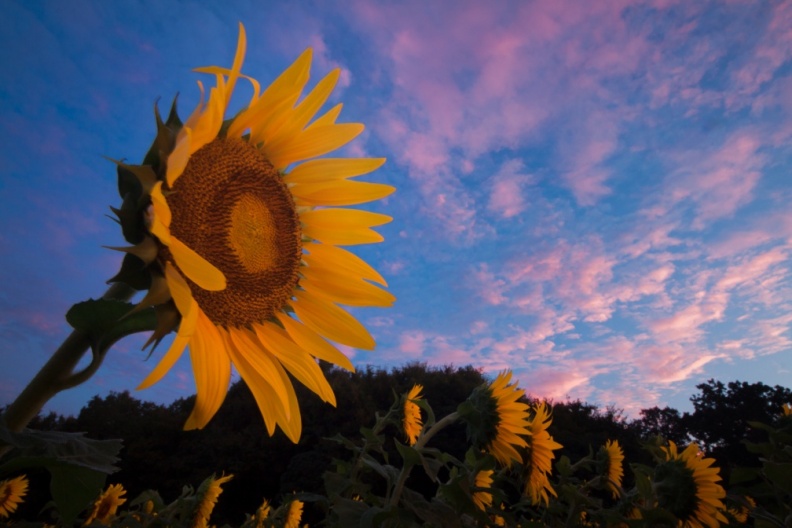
[[231, 207]]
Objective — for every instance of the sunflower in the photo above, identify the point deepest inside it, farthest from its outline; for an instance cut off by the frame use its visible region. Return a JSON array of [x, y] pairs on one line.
[[12, 491], [262, 513], [106, 506], [612, 457], [688, 487], [483, 481], [237, 233], [411, 421], [495, 419], [786, 410], [538, 463], [294, 514], [209, 491]]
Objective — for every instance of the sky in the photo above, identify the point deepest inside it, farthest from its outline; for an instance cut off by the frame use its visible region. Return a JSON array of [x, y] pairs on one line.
[[592, 194]]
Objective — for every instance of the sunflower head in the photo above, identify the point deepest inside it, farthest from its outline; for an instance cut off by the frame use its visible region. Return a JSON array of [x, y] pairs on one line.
[[236, 226], [294, 514], [411, 414], [496, 420], [12, 491], [538, 462], [209, 492], [106, 506], [687, 486], [483, 482], [786, 410], [610, 461]]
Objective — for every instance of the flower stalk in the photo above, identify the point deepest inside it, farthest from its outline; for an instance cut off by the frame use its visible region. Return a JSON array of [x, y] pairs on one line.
[[58, 373]]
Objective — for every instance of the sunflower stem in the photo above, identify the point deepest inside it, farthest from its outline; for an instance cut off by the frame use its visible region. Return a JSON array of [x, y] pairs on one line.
[[58, 373], [419, 444]]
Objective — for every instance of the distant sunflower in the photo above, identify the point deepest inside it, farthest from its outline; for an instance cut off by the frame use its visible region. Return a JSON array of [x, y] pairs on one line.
[[483, 480], [411, 420], [294, 514], [786, 410], [12, 491], [239, 241], [613, 457], [538, 462], [688, 487], [262, 513], [209, 491], [106, 506]]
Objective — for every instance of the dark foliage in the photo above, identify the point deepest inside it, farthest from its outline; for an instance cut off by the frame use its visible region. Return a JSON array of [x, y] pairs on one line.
[[159, 455]]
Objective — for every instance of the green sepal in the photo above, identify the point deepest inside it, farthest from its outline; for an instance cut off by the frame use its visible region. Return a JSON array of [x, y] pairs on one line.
[[134, 273], [166, 135], [105, 323], [131, 218]]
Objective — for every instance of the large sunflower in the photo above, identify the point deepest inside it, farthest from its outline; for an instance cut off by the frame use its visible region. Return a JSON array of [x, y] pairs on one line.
[[240, 241], [538, 462], [688, 487]]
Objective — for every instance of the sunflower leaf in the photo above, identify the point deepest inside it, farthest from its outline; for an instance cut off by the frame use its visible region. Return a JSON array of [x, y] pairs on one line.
[[73, 488], [105, 323], [133, 273]]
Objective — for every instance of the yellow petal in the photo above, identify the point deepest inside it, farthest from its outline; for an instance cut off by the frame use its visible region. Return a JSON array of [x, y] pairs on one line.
[[302, 114], [212, 372], [344, 289], [248, 345], [239, 58], [314, 343], [313, 142], [270, 403], [343, 218], [340, 192], [323, 256], [328, 169], [159, 204], [297, 361], [342, 226], [195, 267], [287, 86], [188, 309], [328, 118], [178, 159], [330, 321], [206, 128]]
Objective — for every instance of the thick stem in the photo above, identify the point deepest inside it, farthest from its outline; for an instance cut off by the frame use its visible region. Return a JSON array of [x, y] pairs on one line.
[[422, 440], [57, 374]]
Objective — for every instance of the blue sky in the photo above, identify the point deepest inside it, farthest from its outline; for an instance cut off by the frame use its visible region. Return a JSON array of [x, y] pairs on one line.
[[593, 194]]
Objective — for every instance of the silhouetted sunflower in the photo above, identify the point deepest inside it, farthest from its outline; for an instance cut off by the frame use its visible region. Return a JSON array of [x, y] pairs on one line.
[[294, 514], [688, 487], [237, 228], [411, 420], [209, 491], [12, 491], [538, 462], [106, 506], [496, 420], [612, 458], [483, 499]]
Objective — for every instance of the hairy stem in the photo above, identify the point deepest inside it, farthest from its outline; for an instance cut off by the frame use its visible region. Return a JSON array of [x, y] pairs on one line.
[[422, 441], [58, 373]]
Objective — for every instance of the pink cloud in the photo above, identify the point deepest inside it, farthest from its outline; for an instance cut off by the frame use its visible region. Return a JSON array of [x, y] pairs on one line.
[[506, 198]]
